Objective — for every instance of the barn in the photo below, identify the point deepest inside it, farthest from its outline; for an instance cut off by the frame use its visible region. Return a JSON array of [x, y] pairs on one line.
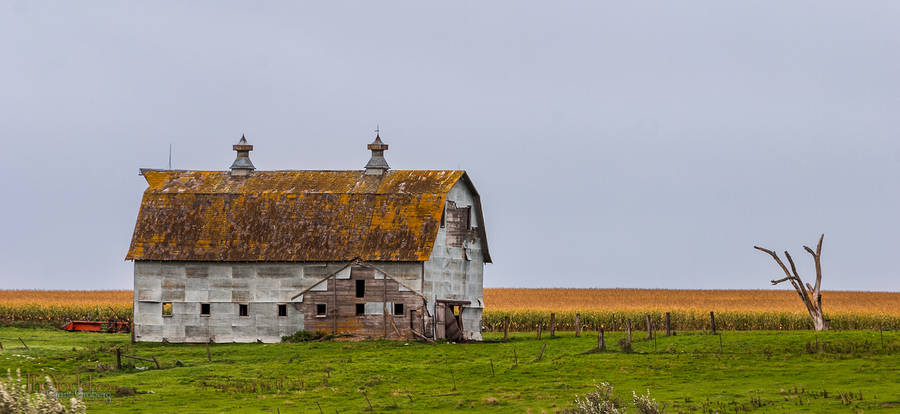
[[244, 255]]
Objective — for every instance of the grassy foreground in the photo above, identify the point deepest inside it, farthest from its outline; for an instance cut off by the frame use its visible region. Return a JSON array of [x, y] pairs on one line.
[[693, 372]]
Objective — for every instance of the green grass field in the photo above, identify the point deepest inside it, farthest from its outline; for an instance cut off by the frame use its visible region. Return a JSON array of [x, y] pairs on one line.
[[756, 371]]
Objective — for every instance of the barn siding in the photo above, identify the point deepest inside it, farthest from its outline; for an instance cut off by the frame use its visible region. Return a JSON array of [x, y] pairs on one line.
[[380, 293], [224, 286], [455, 270]]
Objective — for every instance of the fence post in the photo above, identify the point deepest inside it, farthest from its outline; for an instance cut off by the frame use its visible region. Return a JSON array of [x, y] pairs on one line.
[[649, 327], [668, 324], [552, 325], [601, 342], [628, 329], [540, 327], [118, 359], [712, 321], [506, 328], [577, 325]]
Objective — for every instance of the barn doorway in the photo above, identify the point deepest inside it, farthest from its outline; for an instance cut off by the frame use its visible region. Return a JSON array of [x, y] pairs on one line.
[[449, 319]]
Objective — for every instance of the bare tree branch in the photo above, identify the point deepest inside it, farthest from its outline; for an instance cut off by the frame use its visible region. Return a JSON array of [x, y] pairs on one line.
[[777, 259], [799, 285], [775, 282], [819, 264], [819, 247]]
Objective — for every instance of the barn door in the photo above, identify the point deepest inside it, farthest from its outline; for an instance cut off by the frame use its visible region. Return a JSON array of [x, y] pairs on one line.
[[452, 323]]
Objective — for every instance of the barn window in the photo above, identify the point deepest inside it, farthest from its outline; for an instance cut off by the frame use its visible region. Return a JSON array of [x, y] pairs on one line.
[[204, 309], [282, 310], [468, 218], [243, 310], [320, 309], [398, 309], [360, 309], [167, 309], [360, 288]]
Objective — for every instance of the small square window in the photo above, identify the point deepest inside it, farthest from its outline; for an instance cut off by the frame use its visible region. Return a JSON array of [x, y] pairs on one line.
[[360, 309], [243, 310], [320, 309], [360, 288], [282, 310], [204, 309], [167, 309], [398, 309]]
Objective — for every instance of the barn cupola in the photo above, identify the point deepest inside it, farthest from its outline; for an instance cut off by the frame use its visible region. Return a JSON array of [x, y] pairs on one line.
[[242, 165], [377, 165]]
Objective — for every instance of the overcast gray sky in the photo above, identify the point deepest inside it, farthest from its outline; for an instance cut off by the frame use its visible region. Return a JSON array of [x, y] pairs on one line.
[[615, 144]]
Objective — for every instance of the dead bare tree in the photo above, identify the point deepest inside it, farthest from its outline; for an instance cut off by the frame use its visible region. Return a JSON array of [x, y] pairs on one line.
[[810, 295]]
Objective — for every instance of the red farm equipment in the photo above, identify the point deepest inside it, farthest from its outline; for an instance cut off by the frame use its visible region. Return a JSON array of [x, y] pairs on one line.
[[113, 325]]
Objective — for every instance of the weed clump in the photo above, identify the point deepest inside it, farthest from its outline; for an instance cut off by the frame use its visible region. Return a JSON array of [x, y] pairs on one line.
[[307, 336], [602, 401], [15, 398], [645, 404]]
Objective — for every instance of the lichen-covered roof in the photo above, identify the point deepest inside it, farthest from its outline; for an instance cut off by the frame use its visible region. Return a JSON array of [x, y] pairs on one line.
[[290, 215]]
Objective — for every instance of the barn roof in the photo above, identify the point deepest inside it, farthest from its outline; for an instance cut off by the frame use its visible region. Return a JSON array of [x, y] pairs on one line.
[[292, 216]]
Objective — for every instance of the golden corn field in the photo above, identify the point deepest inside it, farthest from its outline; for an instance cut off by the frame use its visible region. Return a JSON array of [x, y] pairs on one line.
[[56, 307], [689, 309], [609, 308]]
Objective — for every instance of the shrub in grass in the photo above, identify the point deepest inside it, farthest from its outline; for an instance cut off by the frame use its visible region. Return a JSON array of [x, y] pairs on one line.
[[599, 401], [645, 404], [15, 398], [306, 336], [602, 401]]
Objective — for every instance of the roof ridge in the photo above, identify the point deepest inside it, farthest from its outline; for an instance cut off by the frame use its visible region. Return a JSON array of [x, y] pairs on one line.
[[269, 171]]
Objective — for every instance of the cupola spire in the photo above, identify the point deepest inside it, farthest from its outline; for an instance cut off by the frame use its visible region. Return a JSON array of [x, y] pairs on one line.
[[242, 165], [377, 165]]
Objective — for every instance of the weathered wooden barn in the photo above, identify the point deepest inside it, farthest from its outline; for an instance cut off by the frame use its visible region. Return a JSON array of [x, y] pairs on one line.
[[246, 255]]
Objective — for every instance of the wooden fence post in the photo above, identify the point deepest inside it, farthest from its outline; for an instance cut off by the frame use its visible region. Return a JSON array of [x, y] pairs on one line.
[[506, 328], [649, 327], [118, 359], [540, 327], [552, 325], [601, 342], [668, 324], [628, 329], [712, 322], [577, 325]]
